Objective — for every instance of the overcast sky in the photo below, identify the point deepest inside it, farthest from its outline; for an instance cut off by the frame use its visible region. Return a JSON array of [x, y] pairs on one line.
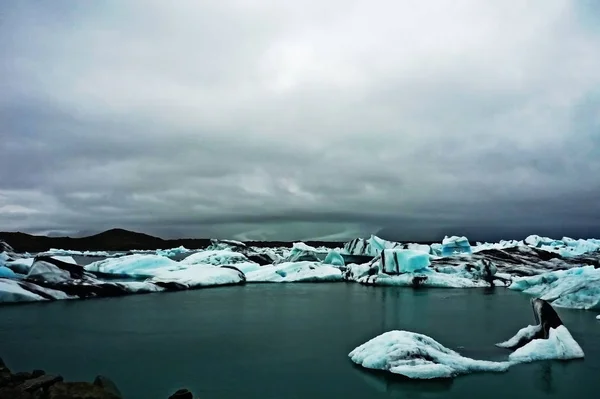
[[272, 119]]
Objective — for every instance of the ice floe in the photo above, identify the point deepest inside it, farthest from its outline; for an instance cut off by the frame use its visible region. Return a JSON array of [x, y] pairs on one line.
[[577, 288], [199, 276], [295, 272], [417, 356], [136, 266]]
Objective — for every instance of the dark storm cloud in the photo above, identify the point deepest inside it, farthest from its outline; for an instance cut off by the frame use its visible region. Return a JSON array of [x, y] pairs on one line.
[[267, 119]]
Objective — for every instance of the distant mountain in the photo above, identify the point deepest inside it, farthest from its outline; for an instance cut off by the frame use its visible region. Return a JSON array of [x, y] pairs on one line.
[[121, 240]]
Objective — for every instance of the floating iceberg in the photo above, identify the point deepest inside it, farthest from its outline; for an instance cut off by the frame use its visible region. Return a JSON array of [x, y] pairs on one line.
[[215, 258], [577, 288], [334, 258], [417, 356], [547, 340], [370, 247], [455, 246], [136, 266], [173, 251], [5, 272], [397, 261], [295, 272], [11, 291], [199, 276], [301, 252]]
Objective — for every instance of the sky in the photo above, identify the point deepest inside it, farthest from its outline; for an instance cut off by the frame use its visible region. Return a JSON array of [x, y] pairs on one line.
[[265, 119]]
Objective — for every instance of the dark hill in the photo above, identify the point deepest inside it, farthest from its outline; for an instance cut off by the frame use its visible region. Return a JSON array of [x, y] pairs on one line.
[[122, 240]]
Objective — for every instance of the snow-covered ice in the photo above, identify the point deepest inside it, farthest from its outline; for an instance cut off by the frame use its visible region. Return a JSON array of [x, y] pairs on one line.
[[559, 345], [417, 356], [295, 272], [577, 288], [136, 266], [455, 245], [200, 276], [215, 258], [396, 261]]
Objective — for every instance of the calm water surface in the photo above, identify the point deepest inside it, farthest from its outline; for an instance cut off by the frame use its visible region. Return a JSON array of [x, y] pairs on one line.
[[287, 341]]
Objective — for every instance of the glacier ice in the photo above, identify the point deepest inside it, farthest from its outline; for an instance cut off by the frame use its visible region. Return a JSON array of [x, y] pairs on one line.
[[11, 291], [301, 252], [5, 272], [560, 345], [295, 272], [397, 261], [199, 276], [455, 245], [334, 258], [417, 356], [136, 266], [577, 288], [216, 258]]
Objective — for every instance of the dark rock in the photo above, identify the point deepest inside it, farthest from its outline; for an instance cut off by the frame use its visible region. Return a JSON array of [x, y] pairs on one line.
[[15, 393], [37, 373], [3, 367], [21, 376], [42, 382], [79, 390], [182, 394], [108, 385]]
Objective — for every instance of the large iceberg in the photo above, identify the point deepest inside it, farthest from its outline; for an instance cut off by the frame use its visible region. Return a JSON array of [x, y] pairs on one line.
[[334, 258], [199, 276], [577, 288], [417, 356], [136, 266], [455, 246], [397, 261], [295, 272]]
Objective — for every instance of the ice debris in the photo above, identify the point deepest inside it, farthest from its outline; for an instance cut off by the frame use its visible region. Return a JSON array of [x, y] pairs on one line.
[[417, 356]]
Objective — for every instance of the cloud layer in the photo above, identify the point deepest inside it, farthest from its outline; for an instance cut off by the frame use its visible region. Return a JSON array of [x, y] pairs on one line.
[[263, 119]]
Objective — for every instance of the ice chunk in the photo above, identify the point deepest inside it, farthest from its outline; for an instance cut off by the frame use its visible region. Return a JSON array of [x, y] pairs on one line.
[[200, 276], [301, 252], [46, 271], [397, 261], [426, 278], [11, 291], [524, 334], [5, 272], [173, 251], [371, 247], [295, 272], [417, 356], [455, 246], [598, 317], [577, 288], [334, 258], [21, 266], [559, 345], [215, 258], [138, 265]]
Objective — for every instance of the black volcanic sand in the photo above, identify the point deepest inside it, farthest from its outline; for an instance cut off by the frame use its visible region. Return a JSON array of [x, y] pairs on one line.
[[288, 341]]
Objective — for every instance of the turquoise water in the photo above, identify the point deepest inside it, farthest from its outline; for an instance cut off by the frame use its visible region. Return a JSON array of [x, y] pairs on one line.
[[288, 341]]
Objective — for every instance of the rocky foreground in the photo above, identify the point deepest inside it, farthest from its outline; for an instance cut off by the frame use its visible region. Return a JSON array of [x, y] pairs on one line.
[[40, 385]]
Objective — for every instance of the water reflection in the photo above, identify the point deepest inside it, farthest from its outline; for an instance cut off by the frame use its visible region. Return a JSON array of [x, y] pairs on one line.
[[396, 386]]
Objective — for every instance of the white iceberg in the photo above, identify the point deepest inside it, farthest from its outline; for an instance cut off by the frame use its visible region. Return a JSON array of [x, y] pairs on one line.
[[11, 291], [397, 261], [417, 356], [215, 258], [455, 245], [200, 276], [295, 272], [173, 251], [559, 345], [137, 265], [334, 258], [576, 288]]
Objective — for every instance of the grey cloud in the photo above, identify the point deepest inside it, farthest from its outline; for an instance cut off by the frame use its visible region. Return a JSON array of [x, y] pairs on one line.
[[266, 119]]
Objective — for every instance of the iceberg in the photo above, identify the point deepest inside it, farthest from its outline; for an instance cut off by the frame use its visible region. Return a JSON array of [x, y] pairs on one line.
[[295, 272], [334, 258], [173, 251], [5, 272], [548, 340], [576, 288], [371, 247], [135, 266], [215, 258], [199, 276], [397, 261], [455, 246], [417, 356], [301, 252], [11, 291]]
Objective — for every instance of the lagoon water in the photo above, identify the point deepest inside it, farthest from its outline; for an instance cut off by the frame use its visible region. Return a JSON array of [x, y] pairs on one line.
[[288, 341]]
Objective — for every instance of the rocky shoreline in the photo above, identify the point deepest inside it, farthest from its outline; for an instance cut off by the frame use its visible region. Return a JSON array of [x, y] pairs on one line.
[[40, 385]]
